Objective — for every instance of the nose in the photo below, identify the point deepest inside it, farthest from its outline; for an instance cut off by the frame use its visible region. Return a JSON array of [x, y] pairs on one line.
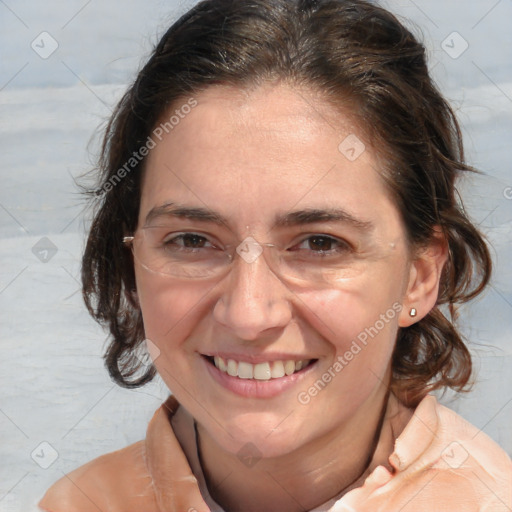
[[253, 302]]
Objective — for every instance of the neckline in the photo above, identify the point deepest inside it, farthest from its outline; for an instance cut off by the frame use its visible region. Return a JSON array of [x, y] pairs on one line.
[[178, 480], [390, 410]]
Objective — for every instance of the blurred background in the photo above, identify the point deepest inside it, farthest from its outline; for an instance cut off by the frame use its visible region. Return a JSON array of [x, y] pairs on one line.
[[63, 66]]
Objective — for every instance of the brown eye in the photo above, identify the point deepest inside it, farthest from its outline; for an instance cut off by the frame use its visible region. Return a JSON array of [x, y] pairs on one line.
[[193, 241], [323, 246], [187, 241], [320, 243]]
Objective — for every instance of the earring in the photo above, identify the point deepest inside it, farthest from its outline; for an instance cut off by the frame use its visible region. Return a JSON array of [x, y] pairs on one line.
[[413, 312]]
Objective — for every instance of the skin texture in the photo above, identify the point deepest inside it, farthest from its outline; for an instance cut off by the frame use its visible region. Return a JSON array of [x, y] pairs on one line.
[[250, 155]]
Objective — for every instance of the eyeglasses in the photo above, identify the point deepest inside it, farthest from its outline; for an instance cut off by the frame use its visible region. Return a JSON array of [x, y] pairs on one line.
[[318, 258]]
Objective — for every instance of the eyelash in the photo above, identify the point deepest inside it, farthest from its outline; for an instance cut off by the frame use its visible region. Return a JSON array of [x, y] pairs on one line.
[[181, 236], [342, 245]]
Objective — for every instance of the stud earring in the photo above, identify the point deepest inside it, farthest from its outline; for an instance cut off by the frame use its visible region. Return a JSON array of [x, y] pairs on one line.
[[413, 312]]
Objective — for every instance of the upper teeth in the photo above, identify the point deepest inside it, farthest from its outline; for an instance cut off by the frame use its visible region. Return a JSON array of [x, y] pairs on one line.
[[260, 371]]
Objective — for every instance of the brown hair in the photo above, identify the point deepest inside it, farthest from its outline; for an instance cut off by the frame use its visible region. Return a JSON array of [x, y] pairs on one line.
[[345, 49]]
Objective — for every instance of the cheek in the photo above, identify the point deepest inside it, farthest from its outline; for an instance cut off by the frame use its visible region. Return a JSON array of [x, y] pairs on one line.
[[352, 309], [360, 322], [169, 310]]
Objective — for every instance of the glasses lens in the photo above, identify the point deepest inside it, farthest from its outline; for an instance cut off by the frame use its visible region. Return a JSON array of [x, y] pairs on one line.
[[313, 271], [190, 255], [182, 255]]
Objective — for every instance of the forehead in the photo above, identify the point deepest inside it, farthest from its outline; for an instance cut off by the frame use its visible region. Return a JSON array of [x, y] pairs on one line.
[[249, 153]]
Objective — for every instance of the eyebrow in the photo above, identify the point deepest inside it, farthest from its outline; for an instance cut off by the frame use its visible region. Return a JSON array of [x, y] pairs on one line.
[[185, 212], [314, 215], [294, 218]]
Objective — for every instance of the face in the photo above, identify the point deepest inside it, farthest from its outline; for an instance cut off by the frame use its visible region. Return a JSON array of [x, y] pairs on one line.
[[269, 164]]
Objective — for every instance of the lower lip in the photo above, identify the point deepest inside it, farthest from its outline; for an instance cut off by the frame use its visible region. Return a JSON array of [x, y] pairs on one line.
[[252, 388]]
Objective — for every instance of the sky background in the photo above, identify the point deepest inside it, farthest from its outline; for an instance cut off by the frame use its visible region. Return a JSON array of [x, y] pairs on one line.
[[54, 388]]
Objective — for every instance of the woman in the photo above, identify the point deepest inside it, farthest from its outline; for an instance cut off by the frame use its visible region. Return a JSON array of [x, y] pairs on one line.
[[277, 222]]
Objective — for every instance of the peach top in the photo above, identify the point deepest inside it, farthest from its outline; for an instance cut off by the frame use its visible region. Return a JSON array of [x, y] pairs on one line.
[[438, 462]]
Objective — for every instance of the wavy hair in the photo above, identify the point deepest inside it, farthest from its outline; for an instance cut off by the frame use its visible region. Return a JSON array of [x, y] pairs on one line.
[[352, 52]]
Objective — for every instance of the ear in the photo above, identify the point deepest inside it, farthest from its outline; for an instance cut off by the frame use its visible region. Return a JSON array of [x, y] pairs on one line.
[[424, 276]]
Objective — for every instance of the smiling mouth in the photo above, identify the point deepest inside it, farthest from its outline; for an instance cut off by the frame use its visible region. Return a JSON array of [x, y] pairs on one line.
[[260, 371]]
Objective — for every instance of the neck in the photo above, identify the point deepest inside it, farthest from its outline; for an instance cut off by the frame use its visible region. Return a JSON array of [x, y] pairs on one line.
[[307, 477]]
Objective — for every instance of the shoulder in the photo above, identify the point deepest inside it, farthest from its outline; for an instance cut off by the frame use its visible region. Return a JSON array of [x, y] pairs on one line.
[[122, 481], [456, 443], [471, 453], [440, 462], [456, 461], [111, 482]]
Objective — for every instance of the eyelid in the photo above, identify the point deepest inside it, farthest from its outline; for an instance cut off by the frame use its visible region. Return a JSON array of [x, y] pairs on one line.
[[177, 234], [303, 237], [180, 234], [336, 239]]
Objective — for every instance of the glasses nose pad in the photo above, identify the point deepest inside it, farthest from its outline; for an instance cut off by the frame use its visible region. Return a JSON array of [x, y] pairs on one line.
[[249, 249]]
